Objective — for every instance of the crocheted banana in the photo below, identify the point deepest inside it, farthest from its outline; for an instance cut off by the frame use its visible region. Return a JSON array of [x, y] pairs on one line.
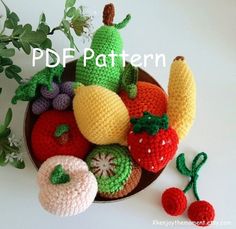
[[182, 97], [106, 39], [101, 115]]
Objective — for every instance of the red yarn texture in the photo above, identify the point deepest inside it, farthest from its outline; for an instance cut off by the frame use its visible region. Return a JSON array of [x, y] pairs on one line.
[[153, 152], [150, 98], [44, 143], [174, 201], [201, 213]]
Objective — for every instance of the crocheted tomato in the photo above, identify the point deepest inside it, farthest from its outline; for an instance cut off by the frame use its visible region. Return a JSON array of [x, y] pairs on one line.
[[149, 98], [151, 142], [56, 133]]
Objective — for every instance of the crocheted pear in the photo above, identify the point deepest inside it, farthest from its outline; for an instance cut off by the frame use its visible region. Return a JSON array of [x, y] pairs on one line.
[[101, 115], [106, 39], [182, 97]]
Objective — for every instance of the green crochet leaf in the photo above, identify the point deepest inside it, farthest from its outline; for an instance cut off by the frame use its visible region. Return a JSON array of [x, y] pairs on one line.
[[129, 80], [59, 175], [28, 91]]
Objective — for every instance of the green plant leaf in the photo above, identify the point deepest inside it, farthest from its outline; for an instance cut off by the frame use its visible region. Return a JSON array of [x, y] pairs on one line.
[[26, 47], [42, 18], [45, 28], [9, 23], [16, 44], [6, 61], [35, 37], [15, 68], [13, 16], [17, 30], [18, 164], [3, 158], [70, 3], [11, 74], [5, 133], [71, 12], [7, 52], [8, 118], [46, 44], [1, 69], [66, 25]]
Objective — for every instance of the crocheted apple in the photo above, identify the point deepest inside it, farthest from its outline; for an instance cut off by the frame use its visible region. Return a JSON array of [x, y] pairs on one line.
[[152, 143], [174, 200], [56, 133]]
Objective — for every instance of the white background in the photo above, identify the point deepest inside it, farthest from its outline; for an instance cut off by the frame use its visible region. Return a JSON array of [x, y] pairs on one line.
[[204, 32]]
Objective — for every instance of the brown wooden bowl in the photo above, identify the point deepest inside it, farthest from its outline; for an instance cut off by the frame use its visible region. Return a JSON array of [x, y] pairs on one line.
[[69, 75]]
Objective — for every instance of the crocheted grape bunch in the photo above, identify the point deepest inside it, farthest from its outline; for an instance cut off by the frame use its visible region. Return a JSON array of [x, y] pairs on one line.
[[59, 96], [174, 200]]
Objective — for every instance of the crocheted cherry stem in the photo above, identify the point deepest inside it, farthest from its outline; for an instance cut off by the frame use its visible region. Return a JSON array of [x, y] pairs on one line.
[[149, 123], [62, 133], [197, 163], [59, 175]]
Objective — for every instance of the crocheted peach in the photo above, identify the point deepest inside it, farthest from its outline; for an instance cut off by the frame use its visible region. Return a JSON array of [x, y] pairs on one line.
[[101, 115], [150, 98], [66, 186], [56, 133]]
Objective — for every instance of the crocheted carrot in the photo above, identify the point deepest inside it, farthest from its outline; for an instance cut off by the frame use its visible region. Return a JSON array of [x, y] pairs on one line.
[[174, 200], [106, 39], [182, 97]]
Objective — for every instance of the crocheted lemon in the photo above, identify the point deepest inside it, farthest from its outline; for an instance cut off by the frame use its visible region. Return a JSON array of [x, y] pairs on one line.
[[101, 115], [182, 97]]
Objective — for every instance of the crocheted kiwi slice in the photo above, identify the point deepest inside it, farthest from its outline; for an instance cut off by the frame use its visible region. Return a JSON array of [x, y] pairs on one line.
[[111, 166]]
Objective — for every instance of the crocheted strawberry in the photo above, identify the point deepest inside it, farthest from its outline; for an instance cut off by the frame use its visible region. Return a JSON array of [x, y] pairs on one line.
[[152, 143], [56, 133]]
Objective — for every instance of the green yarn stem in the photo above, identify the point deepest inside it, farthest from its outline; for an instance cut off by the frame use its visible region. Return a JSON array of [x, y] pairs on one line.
[[149, 123], [60, 130], [59, 175], [197, 163], [129, 80], [124, 23]]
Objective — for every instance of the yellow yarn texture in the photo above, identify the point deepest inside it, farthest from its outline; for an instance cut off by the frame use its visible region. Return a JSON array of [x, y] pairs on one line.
[[182, 97], [101, 115]]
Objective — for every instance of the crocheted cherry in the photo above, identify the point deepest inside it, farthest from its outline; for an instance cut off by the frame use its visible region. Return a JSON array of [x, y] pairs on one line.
[[56, 133], [201, 213], [152, 143], [174, 201]]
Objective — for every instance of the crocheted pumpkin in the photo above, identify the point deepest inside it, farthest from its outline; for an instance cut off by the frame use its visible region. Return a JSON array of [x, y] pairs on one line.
[[182, 97], [149, 98], [106, 39], [114, 170], [66, 186], [101, 115], [56, 133]]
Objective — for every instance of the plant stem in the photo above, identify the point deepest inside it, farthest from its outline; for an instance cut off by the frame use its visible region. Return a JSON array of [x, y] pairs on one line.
[[55, 29]]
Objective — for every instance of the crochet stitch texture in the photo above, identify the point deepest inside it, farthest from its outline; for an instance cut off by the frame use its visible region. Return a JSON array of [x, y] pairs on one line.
[[70, 198], [182, 97], [101, 115]]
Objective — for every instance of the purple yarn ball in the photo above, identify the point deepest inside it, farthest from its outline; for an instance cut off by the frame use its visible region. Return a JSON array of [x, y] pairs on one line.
[[40, 105], [50, 94], [67, 88], [61, 102]]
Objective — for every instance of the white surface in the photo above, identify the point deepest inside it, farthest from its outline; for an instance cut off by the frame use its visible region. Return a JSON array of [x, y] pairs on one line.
[[204, 32]]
